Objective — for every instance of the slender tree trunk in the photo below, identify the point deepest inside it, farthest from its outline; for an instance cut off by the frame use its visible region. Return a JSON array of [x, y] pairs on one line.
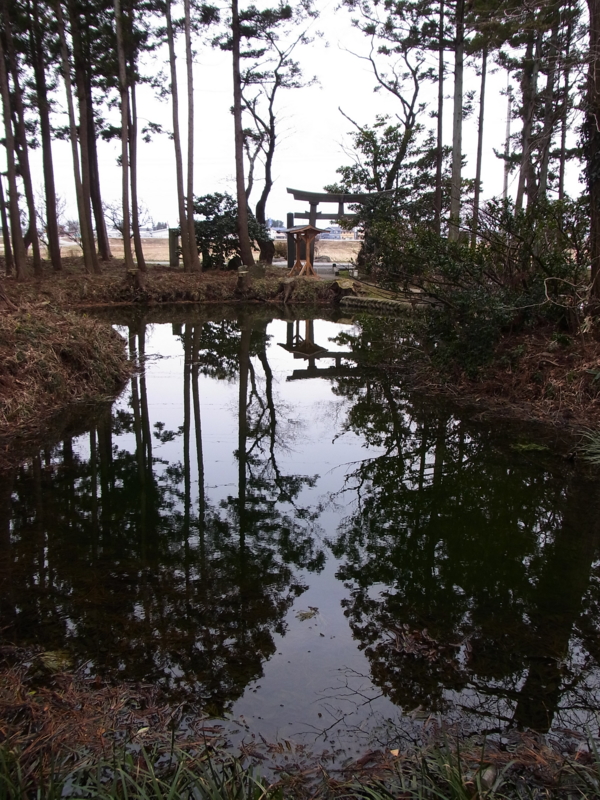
[[484, 56], [565, 110], [37, 47], [455, 194], [86, 237], [194, 258], [95, 191], [8, 254], [83, 137], [20, 255], [507, 140], [267, 248], [592, 130], [529, 93], [87, 10], [183, 220], [439, 158], [549, 115], [243, 234], [133, 162], [21, 138], [124, 93]]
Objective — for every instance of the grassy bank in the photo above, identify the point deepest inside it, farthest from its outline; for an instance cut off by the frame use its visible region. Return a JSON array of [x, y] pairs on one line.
[[51, 358], [74, 288], [69, 735]]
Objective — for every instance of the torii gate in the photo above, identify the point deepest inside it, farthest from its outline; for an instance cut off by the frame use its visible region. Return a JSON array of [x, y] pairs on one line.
[[313, 199]]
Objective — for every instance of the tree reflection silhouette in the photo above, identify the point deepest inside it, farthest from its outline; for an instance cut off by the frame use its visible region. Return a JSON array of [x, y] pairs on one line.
[[132, 575], [469, 575]]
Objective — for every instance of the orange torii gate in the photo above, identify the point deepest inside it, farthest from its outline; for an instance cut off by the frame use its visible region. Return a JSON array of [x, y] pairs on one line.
[[305, 234]]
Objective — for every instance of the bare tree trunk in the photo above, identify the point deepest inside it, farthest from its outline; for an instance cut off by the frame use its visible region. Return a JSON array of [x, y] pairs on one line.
[[8, 254], [37, 47], [507, 139], [194, 258], [267, 248], [95, 193], [244, 236], [565, 111], [124, 92], [21, 138], [549, 114], [440, 112], [529, 92], [592, 129], [183, 220], [86, 231], [455, 193], [20, 255], [83, 128], [484, 56], [135, 208]]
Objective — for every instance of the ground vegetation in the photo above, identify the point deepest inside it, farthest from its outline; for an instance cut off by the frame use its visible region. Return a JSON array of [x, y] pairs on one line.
[[123, 740]]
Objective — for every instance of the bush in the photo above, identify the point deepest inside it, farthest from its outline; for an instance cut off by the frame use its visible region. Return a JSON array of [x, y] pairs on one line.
[[527, 265], [216, 233], [281, 248]]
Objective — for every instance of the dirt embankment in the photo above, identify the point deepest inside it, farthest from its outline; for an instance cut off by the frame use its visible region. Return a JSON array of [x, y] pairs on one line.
[[74, 288], [51, 358]]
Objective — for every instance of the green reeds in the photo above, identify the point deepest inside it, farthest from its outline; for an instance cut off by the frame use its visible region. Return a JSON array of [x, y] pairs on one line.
[[145, 775]]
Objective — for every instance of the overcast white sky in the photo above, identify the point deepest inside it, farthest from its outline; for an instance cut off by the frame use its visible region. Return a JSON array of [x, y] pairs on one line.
[[311, 127]]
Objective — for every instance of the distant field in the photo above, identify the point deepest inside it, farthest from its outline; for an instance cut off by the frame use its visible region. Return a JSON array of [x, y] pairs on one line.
[[158, 249]]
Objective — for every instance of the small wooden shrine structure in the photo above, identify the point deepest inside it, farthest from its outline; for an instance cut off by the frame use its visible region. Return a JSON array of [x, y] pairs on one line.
[[304, 235], [300, 341], [302, 346]]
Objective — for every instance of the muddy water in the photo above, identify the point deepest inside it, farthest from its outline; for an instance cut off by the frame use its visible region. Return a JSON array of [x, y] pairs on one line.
[[274, 532]]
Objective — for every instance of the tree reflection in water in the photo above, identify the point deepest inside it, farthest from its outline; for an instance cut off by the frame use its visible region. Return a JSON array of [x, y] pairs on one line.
[[114, 557], [473, 579], [472, 576]]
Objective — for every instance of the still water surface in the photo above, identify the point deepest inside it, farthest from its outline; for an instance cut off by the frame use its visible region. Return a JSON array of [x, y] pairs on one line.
[[268, 529]]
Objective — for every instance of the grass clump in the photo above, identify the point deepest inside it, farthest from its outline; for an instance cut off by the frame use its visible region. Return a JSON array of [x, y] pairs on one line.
[[51, 358], [143, 775]]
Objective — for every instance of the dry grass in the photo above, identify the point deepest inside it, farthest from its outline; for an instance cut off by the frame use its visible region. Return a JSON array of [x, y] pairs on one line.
[[540, 377], [157, 249], [75, 288], [54, 720], [51, 358]]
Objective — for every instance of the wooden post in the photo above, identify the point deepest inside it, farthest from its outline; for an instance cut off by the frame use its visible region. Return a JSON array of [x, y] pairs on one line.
[[173, 247], [291, 244], [312, 220]]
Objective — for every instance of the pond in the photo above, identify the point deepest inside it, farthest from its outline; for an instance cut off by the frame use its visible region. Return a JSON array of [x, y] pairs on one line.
[[275, 531]]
